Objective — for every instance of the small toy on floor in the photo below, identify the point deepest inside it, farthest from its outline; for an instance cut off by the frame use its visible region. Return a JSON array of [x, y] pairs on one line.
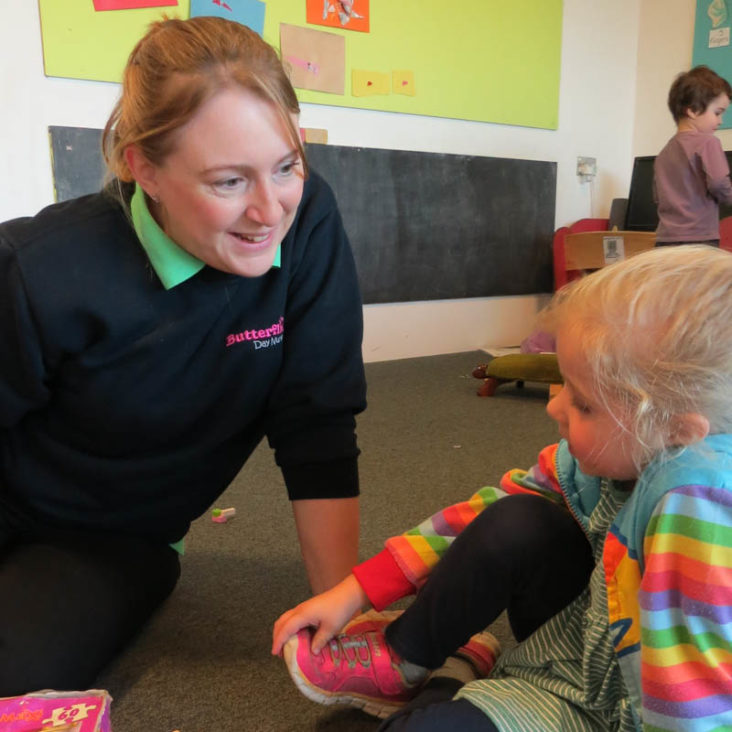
[[222, 515], [57, 711], [518, 367]]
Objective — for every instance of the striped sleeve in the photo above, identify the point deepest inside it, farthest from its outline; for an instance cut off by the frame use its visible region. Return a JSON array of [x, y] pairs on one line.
[[540, 480], [412, 555], [686, 612]]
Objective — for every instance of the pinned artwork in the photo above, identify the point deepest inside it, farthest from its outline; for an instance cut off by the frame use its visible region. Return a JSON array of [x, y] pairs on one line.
[[449, 50], [346, 14], [402, 82], [429, 38], [131, 4], [314, 59], [719, 38], [717, 12], [246, 12], [369, 83], [314, 135]]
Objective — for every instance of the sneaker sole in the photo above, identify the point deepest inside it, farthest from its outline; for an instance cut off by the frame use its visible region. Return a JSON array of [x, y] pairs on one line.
[[375, 707]]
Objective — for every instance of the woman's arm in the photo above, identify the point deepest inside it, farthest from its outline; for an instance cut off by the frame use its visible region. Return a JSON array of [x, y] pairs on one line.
[[328, 531]]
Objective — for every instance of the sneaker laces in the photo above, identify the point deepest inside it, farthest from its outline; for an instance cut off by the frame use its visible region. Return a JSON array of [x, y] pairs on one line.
[[353, 649]]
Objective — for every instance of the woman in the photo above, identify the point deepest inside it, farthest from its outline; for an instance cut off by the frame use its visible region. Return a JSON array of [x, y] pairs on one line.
[[152, 334]]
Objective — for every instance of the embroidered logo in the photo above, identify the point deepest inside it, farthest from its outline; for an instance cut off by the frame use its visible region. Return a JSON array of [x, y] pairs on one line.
[[261, 338]]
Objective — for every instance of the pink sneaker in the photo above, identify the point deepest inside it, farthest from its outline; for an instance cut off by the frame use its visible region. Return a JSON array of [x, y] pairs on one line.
[[357, 669], [371, 620], [481, 651]]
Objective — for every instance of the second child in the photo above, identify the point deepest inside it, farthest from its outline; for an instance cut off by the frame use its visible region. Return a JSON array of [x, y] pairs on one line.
[[611, 555], [691, 173]]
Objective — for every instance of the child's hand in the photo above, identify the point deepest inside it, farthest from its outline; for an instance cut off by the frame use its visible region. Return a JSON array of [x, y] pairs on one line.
[[328, 612]]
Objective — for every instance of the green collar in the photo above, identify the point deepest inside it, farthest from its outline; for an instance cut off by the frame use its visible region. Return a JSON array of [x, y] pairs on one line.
[[171, 263]]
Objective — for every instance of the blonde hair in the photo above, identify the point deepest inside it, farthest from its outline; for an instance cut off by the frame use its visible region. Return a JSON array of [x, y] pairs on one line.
[[656, 333], [176, 67]]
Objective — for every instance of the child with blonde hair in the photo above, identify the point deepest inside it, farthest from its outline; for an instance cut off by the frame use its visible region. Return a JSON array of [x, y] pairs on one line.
[[611, 555]]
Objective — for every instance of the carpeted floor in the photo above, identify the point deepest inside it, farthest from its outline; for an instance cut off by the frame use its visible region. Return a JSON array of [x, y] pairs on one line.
[[203, 663]]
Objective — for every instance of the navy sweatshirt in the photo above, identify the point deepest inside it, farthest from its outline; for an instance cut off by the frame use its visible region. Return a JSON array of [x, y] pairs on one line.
[[128, 407]]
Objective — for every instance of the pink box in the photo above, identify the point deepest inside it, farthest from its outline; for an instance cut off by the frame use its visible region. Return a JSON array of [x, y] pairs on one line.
[[57, 711]]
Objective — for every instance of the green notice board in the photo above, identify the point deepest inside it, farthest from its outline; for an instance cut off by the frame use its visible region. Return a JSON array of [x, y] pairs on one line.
[[712, 42], [490, 61]]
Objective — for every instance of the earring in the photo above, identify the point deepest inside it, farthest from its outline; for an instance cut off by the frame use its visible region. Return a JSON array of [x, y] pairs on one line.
[[156, 199]]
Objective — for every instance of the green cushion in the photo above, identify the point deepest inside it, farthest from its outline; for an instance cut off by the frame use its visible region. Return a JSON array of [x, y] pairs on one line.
[[541, 367]]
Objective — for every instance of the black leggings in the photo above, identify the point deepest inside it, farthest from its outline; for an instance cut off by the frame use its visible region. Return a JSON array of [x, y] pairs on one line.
[[523, 554], [71, 600]]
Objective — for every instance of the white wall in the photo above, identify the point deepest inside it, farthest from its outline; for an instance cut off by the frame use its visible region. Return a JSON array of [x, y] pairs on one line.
[[596, 118]]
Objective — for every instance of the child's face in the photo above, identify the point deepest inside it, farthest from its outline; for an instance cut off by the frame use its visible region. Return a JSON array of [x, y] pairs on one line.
[[596, 438], [711, 117]]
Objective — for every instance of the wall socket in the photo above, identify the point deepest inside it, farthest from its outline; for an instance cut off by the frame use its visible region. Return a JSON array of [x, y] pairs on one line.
[[586, 168]]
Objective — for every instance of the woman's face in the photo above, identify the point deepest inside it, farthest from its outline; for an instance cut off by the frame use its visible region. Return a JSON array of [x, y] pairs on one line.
[[229, 191]]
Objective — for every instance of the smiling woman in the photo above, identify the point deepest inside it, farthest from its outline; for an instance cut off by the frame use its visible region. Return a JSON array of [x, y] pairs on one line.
[[229, 189], [152, 334]]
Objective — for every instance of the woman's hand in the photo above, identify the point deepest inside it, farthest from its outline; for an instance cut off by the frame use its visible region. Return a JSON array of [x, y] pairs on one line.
[[328, 612]]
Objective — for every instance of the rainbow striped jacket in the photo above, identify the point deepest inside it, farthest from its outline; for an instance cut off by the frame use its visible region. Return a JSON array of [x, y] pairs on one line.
[[668, 569]]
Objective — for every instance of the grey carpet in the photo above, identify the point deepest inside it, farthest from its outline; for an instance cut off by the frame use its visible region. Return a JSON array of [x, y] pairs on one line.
[[203, 663]]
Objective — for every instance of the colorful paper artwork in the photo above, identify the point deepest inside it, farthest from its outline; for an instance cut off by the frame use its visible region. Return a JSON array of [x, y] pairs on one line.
[[131, 4], [717, 12], [314, 59], [246, 12], [402, 82], [369, 83], [314, 135], [346, 14]]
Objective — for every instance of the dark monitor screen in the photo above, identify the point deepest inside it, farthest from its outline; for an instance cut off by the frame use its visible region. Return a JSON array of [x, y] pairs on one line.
[[641, 213]]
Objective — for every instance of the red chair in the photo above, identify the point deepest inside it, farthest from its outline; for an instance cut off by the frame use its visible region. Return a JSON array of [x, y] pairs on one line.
[[562, 275], [725, 233]]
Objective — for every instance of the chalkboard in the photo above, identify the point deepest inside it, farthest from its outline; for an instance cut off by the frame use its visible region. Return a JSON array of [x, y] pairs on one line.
[[430, 226], [423, 226], [76, 158]]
